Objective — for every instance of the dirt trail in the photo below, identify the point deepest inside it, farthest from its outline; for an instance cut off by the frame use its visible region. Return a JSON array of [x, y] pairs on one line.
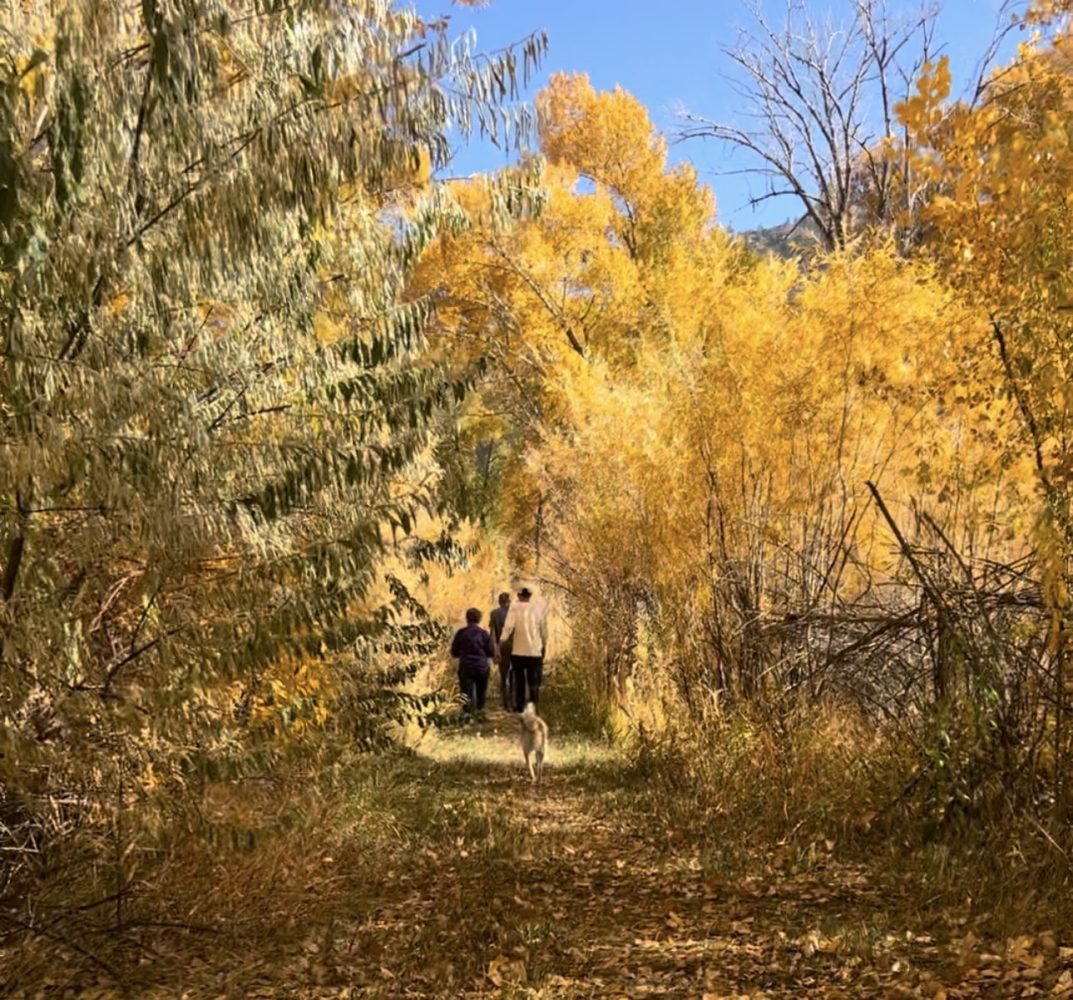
[[559, 892], [481, 885]]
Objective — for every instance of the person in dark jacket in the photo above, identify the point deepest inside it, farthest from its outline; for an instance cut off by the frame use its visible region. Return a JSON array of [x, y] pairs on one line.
[[472, 647], [502, 649]]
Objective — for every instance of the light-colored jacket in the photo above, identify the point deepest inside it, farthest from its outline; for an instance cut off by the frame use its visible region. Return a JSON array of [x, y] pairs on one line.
[[527, 622]]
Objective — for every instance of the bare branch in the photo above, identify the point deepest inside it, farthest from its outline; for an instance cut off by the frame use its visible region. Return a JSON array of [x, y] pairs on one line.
[[820, 101]]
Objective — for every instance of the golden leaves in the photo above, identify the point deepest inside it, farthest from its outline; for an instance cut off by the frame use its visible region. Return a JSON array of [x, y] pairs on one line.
[[1042, 12], [608, 138], [924, 110], [1001, 233]]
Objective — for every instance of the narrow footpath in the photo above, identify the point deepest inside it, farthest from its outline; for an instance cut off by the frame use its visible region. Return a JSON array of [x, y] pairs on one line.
[[564, 891]]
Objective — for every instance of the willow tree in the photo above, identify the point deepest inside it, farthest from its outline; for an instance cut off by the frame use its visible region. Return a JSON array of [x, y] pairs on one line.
[[215, 404]]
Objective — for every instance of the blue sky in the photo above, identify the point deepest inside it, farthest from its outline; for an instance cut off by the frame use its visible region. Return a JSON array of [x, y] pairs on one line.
[[669, 55]]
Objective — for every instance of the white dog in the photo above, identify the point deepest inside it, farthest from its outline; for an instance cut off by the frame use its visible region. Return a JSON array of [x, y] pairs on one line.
[[534, 740]]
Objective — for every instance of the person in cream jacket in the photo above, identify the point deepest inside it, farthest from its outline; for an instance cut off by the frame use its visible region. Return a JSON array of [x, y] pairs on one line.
[[526, 628]]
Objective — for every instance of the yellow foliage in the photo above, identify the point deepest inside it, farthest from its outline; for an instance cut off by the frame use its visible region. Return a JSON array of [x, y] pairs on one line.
[[693, 427], [1002, 232]]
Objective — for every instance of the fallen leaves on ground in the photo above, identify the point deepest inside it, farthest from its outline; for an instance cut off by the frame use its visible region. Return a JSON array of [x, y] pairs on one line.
[[559, 892]]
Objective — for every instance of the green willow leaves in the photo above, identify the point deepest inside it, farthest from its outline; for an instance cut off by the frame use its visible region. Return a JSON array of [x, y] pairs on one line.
[[216, 406]]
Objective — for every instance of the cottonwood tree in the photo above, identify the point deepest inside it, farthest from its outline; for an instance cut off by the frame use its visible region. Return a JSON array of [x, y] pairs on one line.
[[819, 120], [584, 281], [213, 394]]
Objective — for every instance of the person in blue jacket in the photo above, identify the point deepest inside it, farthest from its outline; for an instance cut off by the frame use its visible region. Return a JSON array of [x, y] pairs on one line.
[[472, 647]]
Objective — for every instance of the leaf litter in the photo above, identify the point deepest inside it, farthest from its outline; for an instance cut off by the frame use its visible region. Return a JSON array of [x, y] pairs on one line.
[[562, 891]]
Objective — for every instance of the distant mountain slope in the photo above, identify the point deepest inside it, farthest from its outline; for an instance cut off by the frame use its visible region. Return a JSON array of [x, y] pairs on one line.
[[785, 240]]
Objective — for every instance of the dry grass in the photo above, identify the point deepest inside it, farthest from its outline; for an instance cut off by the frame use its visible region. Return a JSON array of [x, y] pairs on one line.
[[827, 786], [410, 872], [256, 880]]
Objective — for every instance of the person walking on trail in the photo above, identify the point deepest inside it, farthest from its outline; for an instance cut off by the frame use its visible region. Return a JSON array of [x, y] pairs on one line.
[[472, 647], [526, 628], [496, 620]]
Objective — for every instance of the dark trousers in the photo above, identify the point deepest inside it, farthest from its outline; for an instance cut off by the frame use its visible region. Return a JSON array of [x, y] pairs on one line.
[[504, 674], [527, 673], [474, 684]]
